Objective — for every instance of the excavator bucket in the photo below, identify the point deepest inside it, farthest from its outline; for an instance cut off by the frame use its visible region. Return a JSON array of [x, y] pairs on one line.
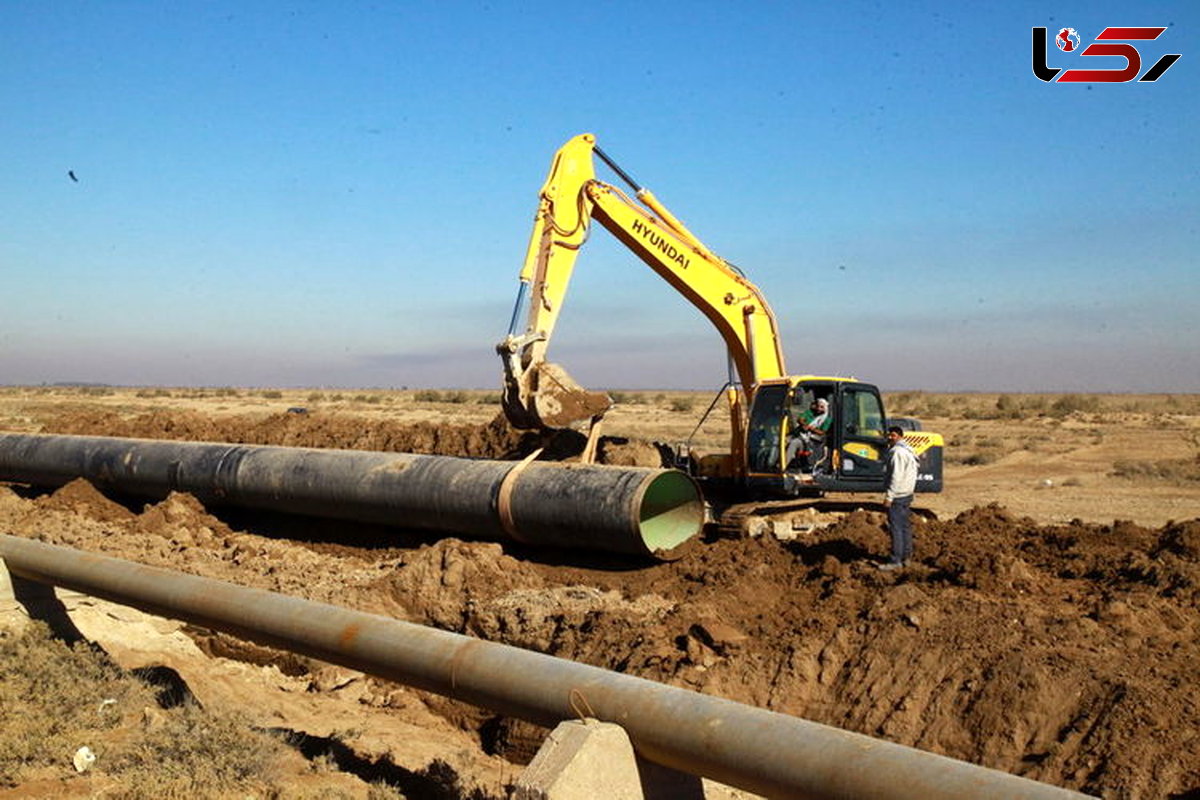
[[547, 397]]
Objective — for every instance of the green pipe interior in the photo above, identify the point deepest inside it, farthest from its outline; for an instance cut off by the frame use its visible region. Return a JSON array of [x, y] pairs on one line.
[[671, 511]]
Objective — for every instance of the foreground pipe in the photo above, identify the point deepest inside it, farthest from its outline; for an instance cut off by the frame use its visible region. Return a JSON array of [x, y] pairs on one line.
[[760, 751], [620, 509]]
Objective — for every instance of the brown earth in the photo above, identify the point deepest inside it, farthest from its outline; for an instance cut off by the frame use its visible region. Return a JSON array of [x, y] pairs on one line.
[[1052, 635]]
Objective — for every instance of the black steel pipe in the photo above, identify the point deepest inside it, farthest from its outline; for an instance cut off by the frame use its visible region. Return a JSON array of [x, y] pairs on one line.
[[761, 751], [618, 509]]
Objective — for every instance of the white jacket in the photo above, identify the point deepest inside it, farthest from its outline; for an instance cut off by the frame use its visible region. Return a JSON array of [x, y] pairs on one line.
[[901, 471]]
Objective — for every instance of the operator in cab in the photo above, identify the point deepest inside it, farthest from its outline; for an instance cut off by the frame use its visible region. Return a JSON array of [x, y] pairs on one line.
[[808, 436]]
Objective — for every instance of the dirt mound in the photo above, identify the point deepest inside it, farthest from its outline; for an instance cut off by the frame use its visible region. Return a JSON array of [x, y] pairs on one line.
[[82, 498], [497, 439], [183, 520], [1043, 651], [623, 452], [1066, 653]]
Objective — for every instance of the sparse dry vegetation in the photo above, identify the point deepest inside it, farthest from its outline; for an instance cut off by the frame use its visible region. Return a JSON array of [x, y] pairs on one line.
[[455, 397], [1177, 470], [927, 405], [57, 698], [1015, 406], [682, 404], [627, 398]]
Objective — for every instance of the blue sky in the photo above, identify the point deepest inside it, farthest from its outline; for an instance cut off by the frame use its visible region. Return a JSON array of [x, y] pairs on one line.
[[311, 194]]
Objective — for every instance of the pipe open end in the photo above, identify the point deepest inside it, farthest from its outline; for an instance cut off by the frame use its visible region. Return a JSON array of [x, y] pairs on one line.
[[671, 513]]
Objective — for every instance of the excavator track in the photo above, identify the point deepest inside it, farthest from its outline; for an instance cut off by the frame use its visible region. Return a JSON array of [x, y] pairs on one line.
[[741, 520]]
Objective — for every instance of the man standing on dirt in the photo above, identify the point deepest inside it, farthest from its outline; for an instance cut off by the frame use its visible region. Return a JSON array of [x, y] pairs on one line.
[[901, 475]]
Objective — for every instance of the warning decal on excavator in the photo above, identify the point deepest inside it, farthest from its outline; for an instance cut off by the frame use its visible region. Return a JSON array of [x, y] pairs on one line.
[[922, 441], [862, 450]]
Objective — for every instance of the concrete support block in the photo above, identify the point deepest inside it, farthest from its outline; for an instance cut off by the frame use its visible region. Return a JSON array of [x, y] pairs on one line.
[[7, 597], [22, 600], [587, 759], [12, 613]]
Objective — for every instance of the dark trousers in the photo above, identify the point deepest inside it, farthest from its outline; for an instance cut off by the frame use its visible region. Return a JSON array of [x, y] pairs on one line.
[[901, 529]]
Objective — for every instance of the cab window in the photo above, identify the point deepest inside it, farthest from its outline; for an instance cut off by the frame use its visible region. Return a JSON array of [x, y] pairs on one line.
[[862, 414], [766, 428]]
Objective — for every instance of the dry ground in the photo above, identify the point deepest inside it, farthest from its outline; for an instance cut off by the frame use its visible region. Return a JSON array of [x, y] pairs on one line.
[[1050, 629]]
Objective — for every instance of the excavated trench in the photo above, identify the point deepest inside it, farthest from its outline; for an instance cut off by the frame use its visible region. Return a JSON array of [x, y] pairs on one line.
[[1064, 653]]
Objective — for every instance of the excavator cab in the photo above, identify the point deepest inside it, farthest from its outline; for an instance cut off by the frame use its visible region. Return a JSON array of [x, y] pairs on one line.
[[851, 455]]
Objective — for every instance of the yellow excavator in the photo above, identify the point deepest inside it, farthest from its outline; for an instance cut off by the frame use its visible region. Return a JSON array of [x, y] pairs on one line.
[[771, 453]]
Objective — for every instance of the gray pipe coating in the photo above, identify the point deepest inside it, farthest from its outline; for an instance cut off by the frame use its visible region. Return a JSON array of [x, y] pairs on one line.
[[768, 753]]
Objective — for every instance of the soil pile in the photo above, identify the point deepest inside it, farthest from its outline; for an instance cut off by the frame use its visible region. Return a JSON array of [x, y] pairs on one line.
[[497, 439], [1065, 653]]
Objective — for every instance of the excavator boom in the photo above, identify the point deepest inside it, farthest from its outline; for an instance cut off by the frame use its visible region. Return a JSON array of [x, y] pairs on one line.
[[540, 394]]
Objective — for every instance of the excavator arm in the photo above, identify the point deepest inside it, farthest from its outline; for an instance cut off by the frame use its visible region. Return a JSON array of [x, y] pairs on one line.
[[539, 394]]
